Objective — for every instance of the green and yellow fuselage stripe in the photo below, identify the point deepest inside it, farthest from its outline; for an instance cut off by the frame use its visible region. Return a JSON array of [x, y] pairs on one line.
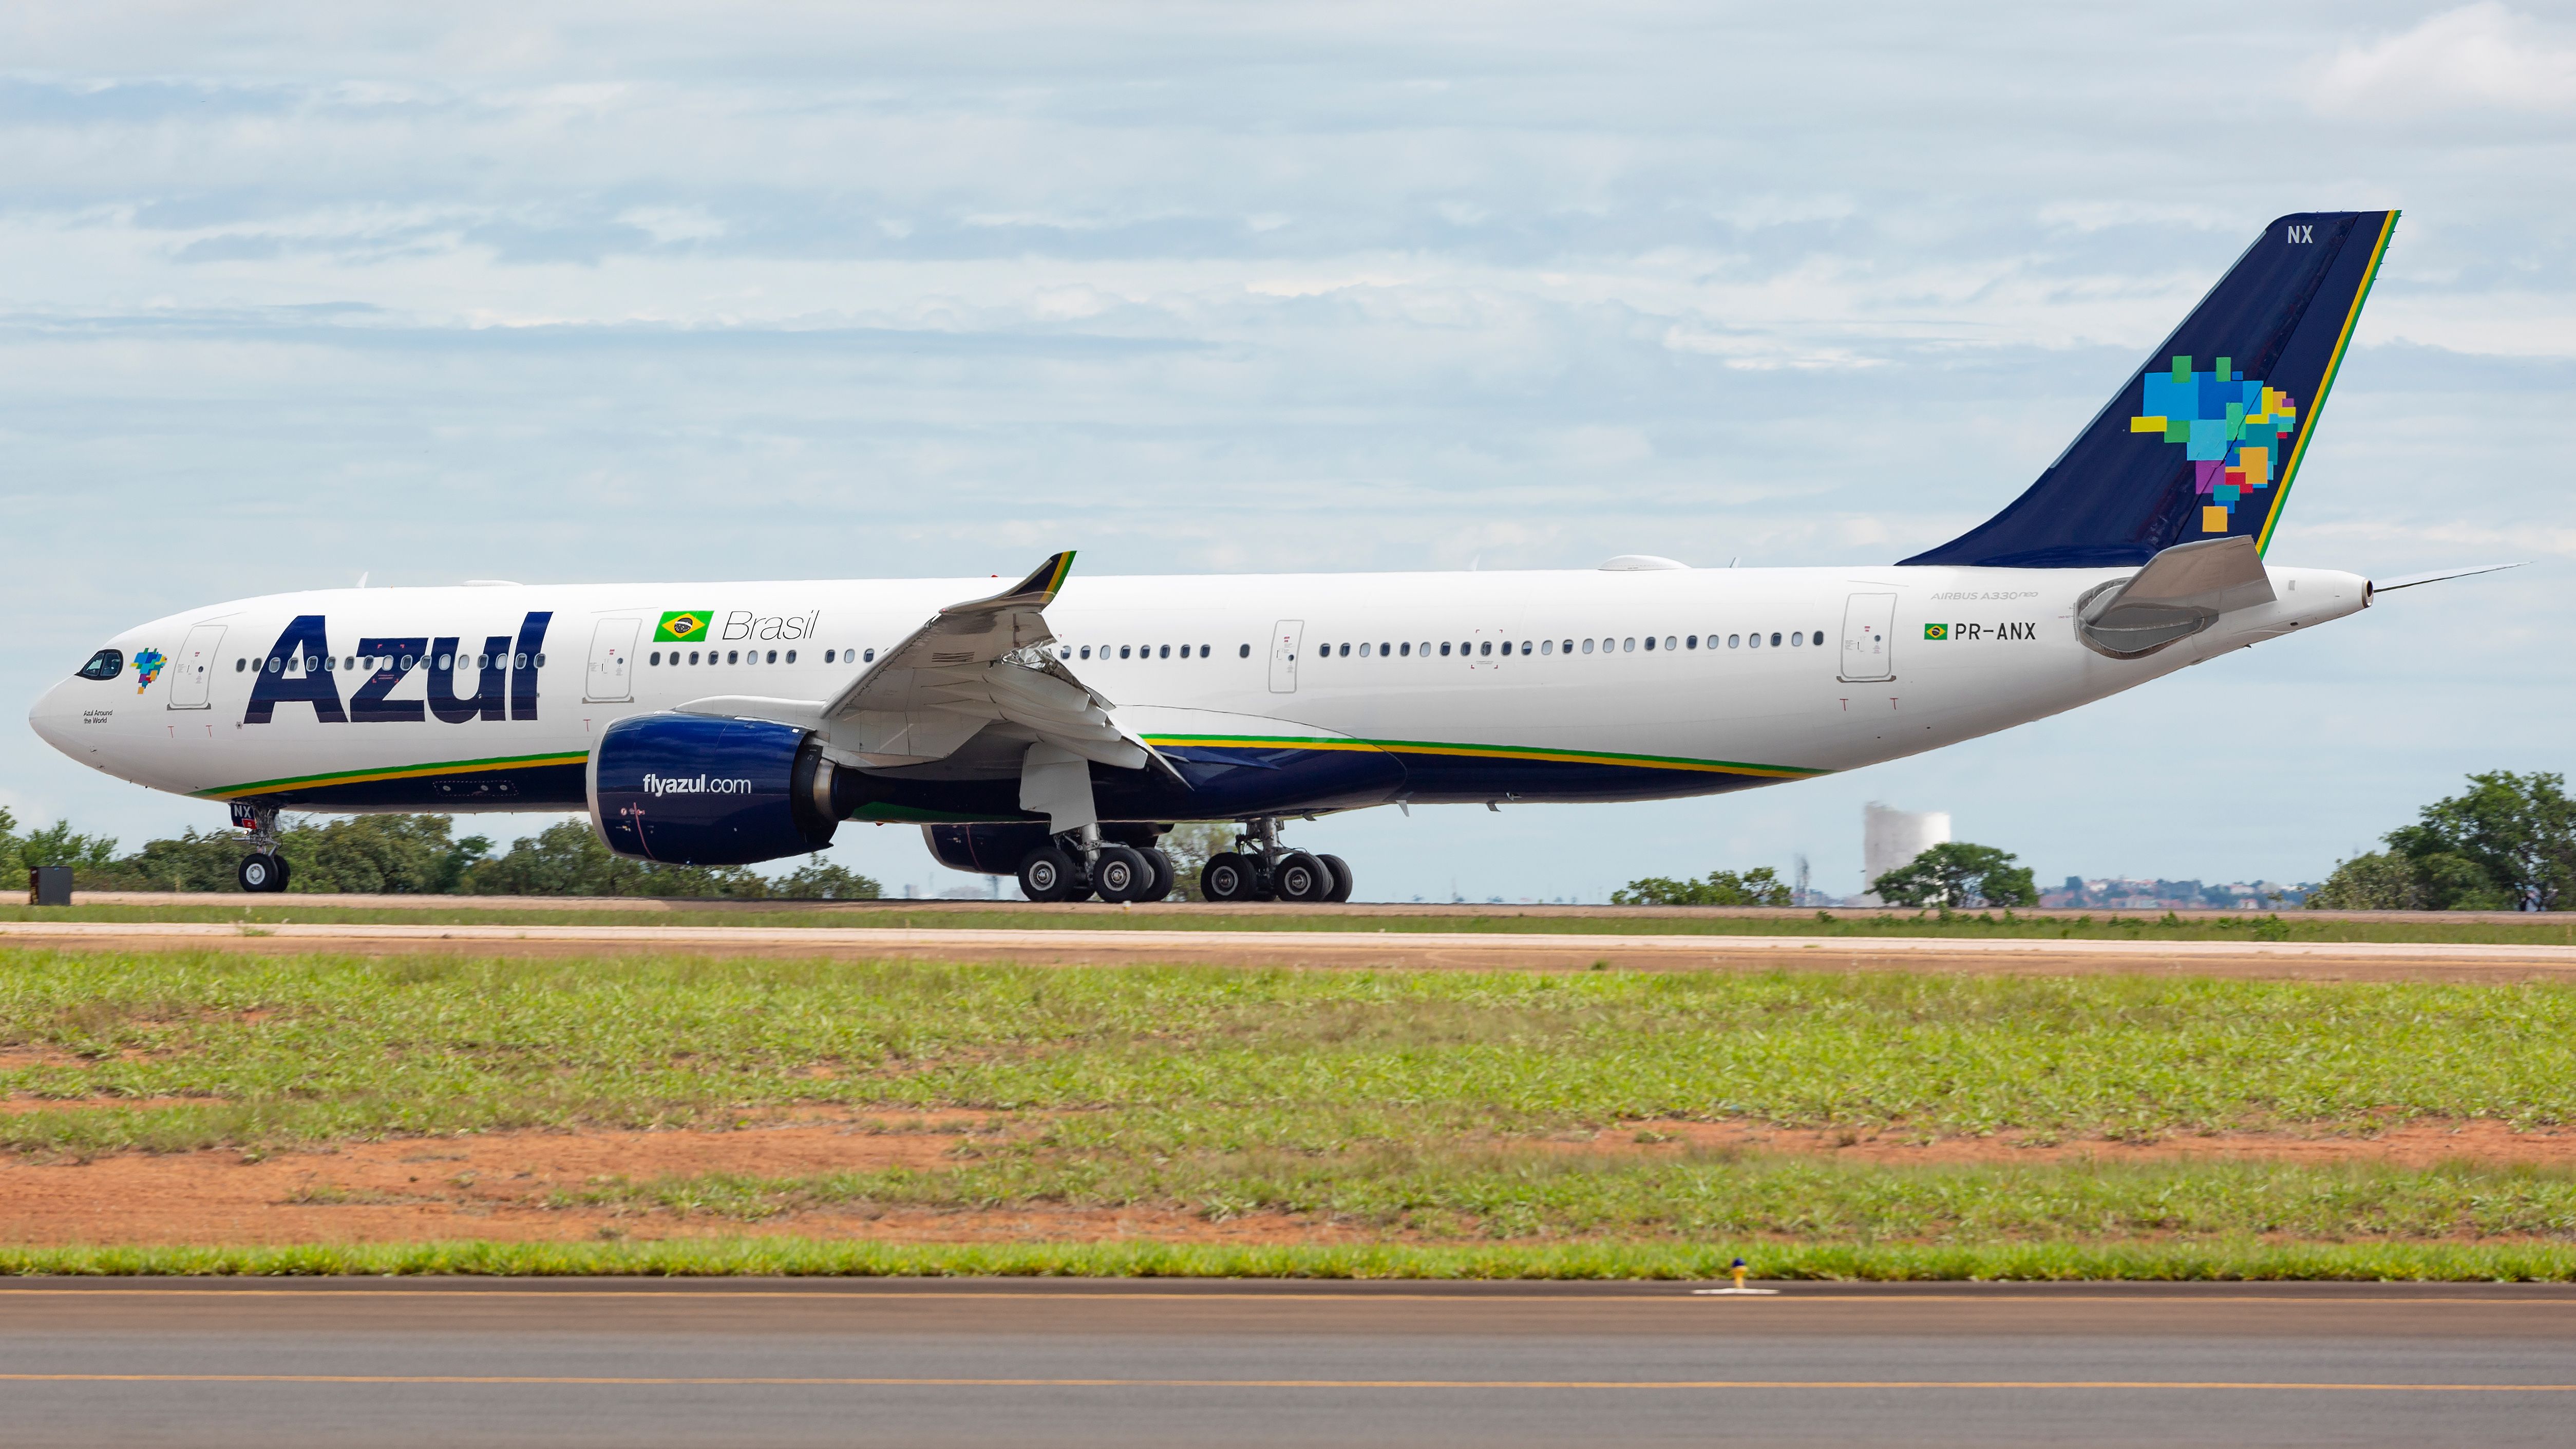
[[398, 772], [2334, 364], [1485, 752]]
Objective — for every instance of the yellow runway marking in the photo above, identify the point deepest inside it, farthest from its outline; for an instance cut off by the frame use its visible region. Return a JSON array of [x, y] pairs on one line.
[[1621, 1385]]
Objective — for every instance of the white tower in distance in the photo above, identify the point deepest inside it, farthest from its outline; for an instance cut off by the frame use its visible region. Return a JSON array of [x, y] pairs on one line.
[[1891, 838]]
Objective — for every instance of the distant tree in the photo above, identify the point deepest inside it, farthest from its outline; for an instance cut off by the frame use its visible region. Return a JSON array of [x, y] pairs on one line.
[[1958, 874], [818, 880], [379, 855], [58, 844], [2388, 881], [1760, 886], [2517, 831], [569, 859]]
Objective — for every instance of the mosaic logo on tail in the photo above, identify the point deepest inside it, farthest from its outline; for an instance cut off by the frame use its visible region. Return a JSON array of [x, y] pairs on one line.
[[2235, 431]]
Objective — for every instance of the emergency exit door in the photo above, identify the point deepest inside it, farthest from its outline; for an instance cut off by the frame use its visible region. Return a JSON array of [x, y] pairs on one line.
[[1287, 638], [1869, 629], [612, 661]]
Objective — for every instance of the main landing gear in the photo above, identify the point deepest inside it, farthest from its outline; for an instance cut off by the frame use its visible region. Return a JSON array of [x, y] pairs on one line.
[[263, 871], [1260, 869], [1081, 863]]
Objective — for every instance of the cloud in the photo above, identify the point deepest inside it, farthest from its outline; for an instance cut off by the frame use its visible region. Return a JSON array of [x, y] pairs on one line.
[[2478, 59]]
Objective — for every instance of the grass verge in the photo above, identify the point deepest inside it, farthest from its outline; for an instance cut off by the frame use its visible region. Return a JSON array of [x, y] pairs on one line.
[[809, 1257], [2552, 930]]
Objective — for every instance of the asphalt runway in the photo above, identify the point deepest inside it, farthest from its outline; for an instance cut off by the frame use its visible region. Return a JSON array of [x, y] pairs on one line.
[[1020, 1363], [1559, 951]]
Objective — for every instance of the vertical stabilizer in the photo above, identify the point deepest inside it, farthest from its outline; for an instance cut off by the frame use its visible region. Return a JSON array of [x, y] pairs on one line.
[[2204, 440]]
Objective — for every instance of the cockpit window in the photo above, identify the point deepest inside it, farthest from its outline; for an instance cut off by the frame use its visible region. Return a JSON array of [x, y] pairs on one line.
[[105, 664]]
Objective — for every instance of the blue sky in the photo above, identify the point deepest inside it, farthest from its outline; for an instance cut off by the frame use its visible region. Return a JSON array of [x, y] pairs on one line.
[[567, 292]]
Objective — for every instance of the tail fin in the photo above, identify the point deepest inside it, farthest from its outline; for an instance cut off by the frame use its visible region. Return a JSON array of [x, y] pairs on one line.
[[2205, 439]]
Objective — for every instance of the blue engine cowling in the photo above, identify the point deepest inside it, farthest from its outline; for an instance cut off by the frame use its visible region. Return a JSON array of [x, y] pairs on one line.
[[689, 789]]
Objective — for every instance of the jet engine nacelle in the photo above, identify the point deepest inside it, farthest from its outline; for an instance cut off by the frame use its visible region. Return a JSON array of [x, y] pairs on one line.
[[689, 789]]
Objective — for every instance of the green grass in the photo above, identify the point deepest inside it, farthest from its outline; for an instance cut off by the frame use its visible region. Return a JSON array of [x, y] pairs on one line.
[[1457, 1195], [2549, 930], [1450, 1113], [773, 1257], [1207, 1059]]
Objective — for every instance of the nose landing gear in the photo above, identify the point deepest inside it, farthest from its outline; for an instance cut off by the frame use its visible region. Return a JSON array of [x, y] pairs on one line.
[[1260, 869], [263, 871]]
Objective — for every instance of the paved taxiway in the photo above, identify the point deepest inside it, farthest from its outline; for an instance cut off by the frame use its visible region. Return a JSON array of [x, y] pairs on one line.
[[2372, 960], [729, 1362]]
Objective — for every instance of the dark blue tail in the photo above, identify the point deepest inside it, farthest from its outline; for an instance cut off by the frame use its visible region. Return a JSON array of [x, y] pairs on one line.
[[2204, 441]]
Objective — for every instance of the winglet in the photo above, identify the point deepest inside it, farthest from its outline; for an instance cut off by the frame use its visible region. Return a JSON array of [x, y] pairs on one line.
[[1043, 585]]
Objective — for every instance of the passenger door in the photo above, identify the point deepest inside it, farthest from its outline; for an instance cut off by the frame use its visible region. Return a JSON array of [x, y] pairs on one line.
[[1287, 638], [192, 677], [1869, 627], [612, 661]]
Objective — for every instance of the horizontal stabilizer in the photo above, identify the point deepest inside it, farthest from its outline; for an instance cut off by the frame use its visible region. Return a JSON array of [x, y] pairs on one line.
[[2180, 592]]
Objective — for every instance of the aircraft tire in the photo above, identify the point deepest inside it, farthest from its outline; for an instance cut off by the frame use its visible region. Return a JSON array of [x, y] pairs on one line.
[[1228, 877], [1301, 878], [1164, 876], [1047, 874], [1342, 882], [261, 873], [1120, 873]]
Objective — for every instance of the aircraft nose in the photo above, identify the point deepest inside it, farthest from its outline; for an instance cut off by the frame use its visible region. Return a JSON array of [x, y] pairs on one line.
[[51, 719]]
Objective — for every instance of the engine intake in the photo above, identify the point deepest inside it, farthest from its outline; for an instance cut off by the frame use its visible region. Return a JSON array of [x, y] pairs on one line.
[[688, 789]]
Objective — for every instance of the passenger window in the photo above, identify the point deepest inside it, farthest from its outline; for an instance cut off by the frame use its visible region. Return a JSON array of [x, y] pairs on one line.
[[1404, 650], [655, 657], [1668, 643], [1547, 646], [693, 656], [105, 664], [541, 661], [239, 664], [1167, 652], [1086, 651], [1753, 641], [1125, 650], [1203, 651], [869, 656], [1775, 639], [1587, 646], [1690, 641], [1444, 648], [1346, 651], [1488, 649], [773, 657], [1819, 640], [1650, 643], [1797, 639], [1630, 646], [791, 656], [1242, 651], [1733, 640], [733, 656]]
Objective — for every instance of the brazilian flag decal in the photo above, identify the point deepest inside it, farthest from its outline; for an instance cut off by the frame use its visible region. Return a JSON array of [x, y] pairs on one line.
[[1936, 631], [682, 626]]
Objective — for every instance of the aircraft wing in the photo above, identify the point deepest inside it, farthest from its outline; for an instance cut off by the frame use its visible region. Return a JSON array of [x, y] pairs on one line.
[[971, 665]]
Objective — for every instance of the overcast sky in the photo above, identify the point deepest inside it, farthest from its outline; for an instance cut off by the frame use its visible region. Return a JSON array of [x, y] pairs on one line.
[[560, 292]]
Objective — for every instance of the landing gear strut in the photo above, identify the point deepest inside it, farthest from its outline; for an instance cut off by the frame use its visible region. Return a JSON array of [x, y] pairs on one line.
[[263, 871], [1259, 868]]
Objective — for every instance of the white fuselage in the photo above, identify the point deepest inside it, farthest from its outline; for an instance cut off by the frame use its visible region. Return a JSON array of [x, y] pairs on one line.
[[1959, 652]]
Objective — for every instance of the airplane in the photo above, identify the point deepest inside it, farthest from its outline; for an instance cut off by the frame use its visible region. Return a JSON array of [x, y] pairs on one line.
[[1053, 730]]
